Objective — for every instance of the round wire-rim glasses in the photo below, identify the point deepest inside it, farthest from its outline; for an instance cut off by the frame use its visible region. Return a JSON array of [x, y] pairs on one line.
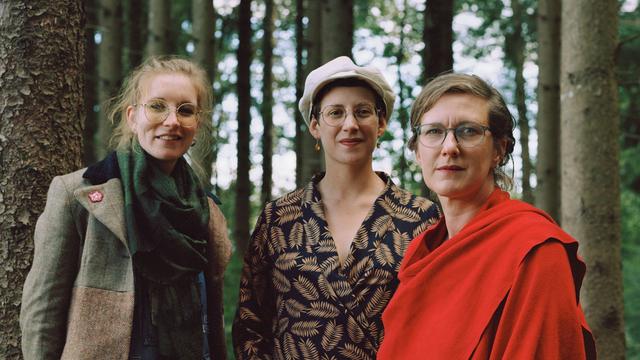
[[335, 115], [157, 111], [467, 135]]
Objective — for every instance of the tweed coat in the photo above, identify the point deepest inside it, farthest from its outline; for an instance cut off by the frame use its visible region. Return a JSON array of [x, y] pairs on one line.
[[78, 298], [298, 302]]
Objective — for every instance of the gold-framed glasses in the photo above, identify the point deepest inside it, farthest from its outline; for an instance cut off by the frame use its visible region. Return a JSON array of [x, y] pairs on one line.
[[467, 135], [157, 111], [335, 115]]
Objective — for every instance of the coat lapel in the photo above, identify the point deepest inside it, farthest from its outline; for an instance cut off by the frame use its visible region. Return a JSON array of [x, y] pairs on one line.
[[105, 202]]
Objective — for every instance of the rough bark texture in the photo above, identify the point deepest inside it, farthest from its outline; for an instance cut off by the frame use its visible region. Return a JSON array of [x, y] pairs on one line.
[[589, 147], [437, 35], [109, 67], [90, 82], [301, 128], [548, 162], [243, 185], [312, 160], [403, 116], [266, 108], [517, 59], [159, 39], [337, 25], [204, 23], [41, 114], [137, 31]]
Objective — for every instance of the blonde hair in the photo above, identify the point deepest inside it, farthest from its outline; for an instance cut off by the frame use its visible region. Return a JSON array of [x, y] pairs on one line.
[[501, 121], [132, 91]]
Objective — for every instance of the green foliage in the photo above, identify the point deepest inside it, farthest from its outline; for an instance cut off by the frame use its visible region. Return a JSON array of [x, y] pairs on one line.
[[630, 204], [231, 288]]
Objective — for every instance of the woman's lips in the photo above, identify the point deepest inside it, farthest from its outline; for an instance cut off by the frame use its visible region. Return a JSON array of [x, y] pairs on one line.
[[450, 168], [350, 141]]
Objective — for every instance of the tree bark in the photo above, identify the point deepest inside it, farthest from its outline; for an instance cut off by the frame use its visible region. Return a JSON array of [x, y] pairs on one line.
[[243, 185], [301, 128], [109, 67], [159, 40], [204, 21], [312, 161], [337, 25], [137, 26], [437, 36], [548, 172], [267, 101], [589, 148], [90, 83], [403, 116], [517, 55], [41, 114]]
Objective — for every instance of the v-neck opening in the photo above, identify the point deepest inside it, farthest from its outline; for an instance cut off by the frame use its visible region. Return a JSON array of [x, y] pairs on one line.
[[326, 234]]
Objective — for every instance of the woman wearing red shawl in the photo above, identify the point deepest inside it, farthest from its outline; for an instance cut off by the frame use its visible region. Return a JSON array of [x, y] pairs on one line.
[[495, 278]]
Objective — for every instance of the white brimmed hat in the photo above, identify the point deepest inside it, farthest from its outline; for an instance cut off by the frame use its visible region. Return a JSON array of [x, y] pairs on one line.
[[341, 68]]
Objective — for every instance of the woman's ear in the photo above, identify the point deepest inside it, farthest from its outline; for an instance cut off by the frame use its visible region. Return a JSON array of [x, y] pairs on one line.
[[131, 121], [313, 128], [500, 152], [382, 125]]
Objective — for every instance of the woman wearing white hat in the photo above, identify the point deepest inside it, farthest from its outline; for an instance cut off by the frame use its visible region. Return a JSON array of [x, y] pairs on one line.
[[323, 260]]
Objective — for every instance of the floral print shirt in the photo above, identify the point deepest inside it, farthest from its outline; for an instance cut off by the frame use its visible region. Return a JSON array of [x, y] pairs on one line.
[[298, 302]]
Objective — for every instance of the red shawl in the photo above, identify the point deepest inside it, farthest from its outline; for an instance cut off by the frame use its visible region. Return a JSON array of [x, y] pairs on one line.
[[484, 294]]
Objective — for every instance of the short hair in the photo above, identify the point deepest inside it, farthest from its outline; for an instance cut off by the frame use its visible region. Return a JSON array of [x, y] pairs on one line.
[[346, 82], [501, 121], [132, 90]]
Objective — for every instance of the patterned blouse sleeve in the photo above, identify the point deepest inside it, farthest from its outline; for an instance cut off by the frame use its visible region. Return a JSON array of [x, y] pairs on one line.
[[252, 326]]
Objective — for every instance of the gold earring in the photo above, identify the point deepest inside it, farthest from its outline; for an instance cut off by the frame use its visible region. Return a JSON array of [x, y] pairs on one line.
[[317, 147]]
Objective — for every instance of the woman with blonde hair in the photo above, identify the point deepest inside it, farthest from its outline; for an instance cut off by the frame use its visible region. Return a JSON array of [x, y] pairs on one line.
[[130, 252]]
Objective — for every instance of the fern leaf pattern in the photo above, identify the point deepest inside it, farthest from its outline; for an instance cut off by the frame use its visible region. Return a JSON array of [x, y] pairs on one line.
[[298, 302]]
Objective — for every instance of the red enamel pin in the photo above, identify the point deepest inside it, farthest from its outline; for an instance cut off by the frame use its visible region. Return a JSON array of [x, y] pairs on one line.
[[95, 196]]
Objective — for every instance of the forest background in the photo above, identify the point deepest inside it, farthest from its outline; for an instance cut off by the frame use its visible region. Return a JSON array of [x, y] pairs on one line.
[[569, 70]]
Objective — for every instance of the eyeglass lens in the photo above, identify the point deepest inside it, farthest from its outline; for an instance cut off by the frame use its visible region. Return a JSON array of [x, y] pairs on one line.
[[335, 115], [467, 135], [158, 110]]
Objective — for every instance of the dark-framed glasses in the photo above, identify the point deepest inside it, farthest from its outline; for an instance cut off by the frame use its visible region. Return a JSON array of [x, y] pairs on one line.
[[467, 135], [157, 111], [335, 115]]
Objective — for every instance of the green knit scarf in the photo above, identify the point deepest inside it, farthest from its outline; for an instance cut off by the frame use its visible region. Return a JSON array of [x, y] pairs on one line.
[[167, 220]]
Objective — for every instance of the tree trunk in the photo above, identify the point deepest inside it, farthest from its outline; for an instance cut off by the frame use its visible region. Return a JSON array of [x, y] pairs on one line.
[[337, 25], [312, 160], [243, 185], [437, 35], [109, 67], [301, 128], [158, 42], [548, 173], [517, 58], [90, 83], [41, 114], [204, 21], [403, 116], [137, 26], [267, 101], [589, 148]]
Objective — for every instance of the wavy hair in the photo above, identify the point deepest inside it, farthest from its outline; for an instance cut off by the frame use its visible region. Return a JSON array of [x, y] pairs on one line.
[[132, 90]]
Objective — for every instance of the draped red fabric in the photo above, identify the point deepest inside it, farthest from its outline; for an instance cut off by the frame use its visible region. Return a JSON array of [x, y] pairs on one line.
[[505, 287]]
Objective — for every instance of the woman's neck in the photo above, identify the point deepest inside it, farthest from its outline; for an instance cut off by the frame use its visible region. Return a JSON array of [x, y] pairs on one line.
[[345, 183], [459, 211]]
